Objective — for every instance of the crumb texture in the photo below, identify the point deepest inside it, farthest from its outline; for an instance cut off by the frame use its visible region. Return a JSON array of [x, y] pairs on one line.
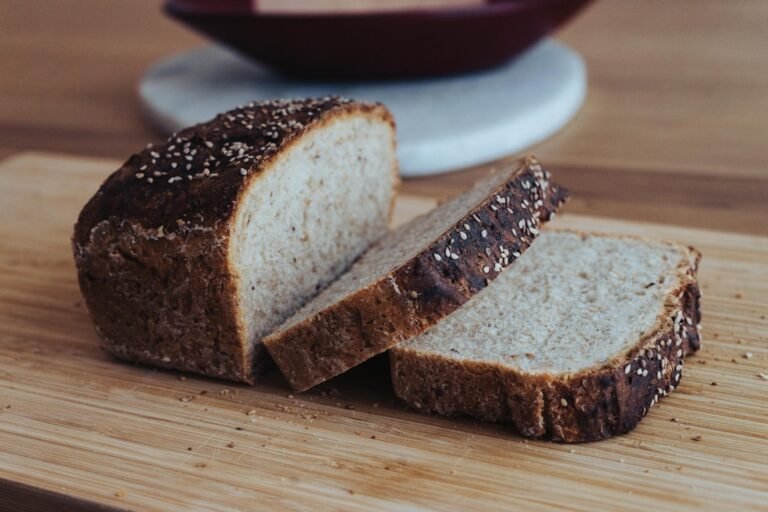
[[570, 303]]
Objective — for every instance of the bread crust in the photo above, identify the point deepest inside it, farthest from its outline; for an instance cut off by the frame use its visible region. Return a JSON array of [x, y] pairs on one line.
[[588, 405], [414, 296], [152, 245]]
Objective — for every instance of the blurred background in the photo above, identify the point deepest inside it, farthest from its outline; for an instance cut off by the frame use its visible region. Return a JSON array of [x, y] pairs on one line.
[[674, 127]]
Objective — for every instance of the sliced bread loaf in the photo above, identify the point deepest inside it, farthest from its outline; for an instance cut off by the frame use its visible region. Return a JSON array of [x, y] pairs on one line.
[[195, 249], [416, 275], [574, 343]]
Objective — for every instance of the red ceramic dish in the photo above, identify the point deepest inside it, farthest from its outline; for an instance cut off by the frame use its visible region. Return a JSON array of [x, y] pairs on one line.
[[385, 45]]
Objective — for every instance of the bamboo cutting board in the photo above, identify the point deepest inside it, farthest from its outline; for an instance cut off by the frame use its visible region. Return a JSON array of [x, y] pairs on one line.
[[79, 429]]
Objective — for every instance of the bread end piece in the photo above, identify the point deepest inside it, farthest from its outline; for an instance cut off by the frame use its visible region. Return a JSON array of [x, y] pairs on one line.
[[156, 248], [589, 405]]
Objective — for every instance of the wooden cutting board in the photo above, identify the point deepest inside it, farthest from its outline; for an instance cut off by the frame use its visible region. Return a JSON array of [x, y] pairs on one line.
[[78, 428]]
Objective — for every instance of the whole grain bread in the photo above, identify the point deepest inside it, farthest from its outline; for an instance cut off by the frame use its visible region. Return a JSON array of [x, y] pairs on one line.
[[194, 249], [416, 275], [575, 343]]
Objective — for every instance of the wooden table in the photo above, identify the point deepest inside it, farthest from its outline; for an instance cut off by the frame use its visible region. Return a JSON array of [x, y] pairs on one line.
[[674, 130]]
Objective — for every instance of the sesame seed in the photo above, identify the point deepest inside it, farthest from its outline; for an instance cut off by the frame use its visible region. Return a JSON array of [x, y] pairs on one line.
[[139, 175], [447, 252], [486, 269], [627, 369], [462, 235], [639, 371], [467, 227], [150, 180], [454, 256], [484, 234], [243, 171], [645, 373], [437, 257], [564, 402], [680, 353]]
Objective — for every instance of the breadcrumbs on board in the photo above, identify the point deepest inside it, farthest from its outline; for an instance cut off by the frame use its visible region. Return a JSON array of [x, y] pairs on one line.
[[713, 383], [231, 444], [252, 412], [182, 378], [748, 355], [737, 295], [200, 465], [119, 493], [763, 376], [696, 438], [187, 398]]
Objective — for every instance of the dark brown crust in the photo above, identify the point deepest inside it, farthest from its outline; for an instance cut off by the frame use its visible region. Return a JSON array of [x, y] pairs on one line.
[[414, 296], [586, 406], [153, 257]]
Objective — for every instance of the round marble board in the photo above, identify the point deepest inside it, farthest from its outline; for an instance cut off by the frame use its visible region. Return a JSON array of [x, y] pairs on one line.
[[443, 124]]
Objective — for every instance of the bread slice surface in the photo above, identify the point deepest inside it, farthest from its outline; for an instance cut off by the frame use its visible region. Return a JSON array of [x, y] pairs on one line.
[[195, 248], [415, 275], [574, 343]]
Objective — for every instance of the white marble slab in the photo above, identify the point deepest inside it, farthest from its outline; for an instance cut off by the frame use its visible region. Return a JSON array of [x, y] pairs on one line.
[[443, 124]]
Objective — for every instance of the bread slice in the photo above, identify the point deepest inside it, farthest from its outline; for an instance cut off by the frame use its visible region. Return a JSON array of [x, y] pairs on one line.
[[416, 275], [575, 343], [195, 249]]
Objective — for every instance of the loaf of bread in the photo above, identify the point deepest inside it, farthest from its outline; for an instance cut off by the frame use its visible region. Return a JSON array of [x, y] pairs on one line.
[[416, 275], [196, 248], [575, 342]]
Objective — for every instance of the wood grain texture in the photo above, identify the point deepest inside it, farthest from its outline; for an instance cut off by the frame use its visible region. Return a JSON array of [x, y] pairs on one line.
[[678, 94], [77, 423]]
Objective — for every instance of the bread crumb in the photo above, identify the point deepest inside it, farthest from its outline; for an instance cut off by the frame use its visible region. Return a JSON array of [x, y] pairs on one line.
[[119, 493], [182, 378], [350, 407], [763, 376], [696, 438], [673, 420], [737, 295], [252, 412], [350, 491], [231, 444], [189, 448], [227, 392], [187, 398], [375, 405], [290, 396], [571, 451], [373, 437], [713, 384], [748, 355], [621, 461], [239, 428], [200, 465], [739, 341]]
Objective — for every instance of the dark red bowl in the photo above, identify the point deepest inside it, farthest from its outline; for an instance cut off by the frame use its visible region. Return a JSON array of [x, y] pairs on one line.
[[385, 45]]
